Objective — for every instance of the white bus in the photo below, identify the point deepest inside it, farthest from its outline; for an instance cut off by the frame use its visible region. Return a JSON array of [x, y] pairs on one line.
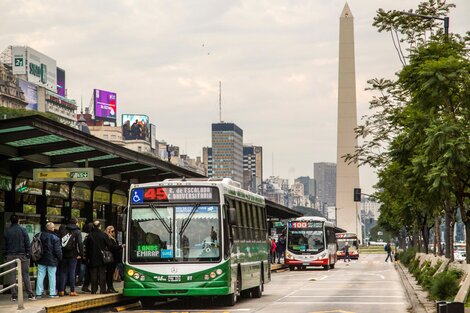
[[311, 241]]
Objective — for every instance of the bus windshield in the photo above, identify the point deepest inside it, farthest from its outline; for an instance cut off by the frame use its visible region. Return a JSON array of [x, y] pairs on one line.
[[174, 234], [305, 237]]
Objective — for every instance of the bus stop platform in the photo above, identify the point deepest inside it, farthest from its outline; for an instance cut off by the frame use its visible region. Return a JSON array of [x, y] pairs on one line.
[[67, 304], [63, 304]]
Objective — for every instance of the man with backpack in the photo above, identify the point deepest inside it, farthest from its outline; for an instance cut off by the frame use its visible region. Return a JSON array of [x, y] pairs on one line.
[[17, 246], [72, 250], [50, 258]]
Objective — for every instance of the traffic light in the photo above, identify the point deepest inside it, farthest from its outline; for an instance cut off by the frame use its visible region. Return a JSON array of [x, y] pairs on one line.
[[357, 194]]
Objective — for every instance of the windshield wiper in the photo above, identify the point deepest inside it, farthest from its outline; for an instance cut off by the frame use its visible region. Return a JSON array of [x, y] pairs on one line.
[[160, 218], [188, 220]]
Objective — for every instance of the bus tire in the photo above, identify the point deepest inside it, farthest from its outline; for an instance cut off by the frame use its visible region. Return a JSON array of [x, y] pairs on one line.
[[291, 268], [147, 302], [257, 292], [327, 267], [231, 299], [332, 266]]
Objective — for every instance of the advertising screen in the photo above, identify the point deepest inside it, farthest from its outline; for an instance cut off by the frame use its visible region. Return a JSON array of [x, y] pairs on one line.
[[135, 127], [18, 60], [105, 104], [61, 82], [30, 94]]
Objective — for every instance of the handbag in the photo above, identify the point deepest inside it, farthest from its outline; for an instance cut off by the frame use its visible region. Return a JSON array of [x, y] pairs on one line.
[[107, 256]]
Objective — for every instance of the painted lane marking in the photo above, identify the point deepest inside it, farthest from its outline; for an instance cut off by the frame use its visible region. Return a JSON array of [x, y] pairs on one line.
[[342, 302], [358, 296]]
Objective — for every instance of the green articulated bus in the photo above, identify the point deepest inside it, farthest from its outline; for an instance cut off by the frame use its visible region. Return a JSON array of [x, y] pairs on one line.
[[198, 237]]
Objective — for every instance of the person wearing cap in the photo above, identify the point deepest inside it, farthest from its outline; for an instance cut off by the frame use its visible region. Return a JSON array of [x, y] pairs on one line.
[[71, 252], [51, 256]]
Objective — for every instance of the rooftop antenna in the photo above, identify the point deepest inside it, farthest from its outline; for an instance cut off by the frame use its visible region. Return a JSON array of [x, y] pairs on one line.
[[81, 104], [220, 101]]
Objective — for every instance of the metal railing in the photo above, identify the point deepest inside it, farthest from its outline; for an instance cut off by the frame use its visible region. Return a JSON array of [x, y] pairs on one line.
[[19, 282]]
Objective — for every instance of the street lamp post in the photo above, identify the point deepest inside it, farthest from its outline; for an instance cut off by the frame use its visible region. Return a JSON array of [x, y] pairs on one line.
[[445, 19]]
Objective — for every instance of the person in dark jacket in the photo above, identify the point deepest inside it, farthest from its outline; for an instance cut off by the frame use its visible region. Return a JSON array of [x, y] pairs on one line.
[[17, 246], [51, 256], [71, 252], [280, 248], [115, 248], [97, 242], [83, 275]]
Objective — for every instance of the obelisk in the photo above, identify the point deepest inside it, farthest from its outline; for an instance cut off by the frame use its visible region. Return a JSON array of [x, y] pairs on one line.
[[348, 214]]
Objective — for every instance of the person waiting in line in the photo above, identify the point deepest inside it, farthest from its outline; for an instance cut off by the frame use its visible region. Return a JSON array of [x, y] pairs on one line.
[[273, 251], [17, 246], [115, 248], [96, 243], [72, 250], [84, 268], [51, 256]]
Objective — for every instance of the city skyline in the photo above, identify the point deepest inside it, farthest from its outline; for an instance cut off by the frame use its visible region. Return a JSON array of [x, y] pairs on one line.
[[277, 62]]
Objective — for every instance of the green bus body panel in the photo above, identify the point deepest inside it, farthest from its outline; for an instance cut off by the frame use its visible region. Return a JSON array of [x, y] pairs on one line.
[[246, 256]]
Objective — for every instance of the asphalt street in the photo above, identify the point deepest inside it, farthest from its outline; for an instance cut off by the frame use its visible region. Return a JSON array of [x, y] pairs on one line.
[[365, 285]]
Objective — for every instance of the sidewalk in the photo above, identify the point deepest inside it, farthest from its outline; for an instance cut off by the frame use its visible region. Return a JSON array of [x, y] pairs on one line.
[[62, 304]]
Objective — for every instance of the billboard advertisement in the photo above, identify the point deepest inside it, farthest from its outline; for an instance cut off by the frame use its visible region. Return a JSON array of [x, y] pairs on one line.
[[135, 127], [105, 104], [18, 60], [61, 82], [153, 136], [41, 69], [30, 94]]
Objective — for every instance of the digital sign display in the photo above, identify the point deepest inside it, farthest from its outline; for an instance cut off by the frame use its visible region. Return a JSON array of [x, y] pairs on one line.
[[105, 104], [30, 94], [297, 225], [135, 127], [175, 194]]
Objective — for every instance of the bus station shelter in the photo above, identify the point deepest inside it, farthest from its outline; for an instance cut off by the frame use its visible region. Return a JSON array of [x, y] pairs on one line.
[[35, 145]]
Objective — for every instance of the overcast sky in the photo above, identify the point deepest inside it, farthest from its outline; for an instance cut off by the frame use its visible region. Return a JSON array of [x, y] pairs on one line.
[[277, 60]]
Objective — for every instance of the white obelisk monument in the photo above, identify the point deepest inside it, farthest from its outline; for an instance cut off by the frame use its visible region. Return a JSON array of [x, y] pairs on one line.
[[348, 214]]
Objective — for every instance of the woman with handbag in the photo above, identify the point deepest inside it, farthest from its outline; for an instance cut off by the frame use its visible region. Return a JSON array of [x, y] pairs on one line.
[[115, 248], [98, 255]]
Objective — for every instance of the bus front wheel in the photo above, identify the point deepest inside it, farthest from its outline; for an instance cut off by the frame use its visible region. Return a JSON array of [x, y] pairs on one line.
[[326, 267]]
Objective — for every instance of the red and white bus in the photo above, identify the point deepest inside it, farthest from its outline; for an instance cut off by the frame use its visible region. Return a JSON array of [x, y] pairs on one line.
[[353, 242], [311, 241]]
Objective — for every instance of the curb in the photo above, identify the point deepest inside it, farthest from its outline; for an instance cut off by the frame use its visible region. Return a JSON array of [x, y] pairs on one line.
[[417, 305], [85, 304]]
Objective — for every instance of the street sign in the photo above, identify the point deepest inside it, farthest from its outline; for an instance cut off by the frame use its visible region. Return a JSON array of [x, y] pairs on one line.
[[63, 174]]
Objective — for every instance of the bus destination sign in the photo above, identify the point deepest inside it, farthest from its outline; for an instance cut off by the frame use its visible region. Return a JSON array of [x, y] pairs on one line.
[[305, 224], [175, 194]]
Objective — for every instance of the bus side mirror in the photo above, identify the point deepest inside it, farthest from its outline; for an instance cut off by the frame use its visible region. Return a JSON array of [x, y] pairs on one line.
[[232, 216]]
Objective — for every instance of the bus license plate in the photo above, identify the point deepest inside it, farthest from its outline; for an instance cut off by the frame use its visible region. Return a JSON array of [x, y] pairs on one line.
[[174, 278], [306, 263]]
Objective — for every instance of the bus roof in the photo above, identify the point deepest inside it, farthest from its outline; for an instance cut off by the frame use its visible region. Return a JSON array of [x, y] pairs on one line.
[[226, 185]]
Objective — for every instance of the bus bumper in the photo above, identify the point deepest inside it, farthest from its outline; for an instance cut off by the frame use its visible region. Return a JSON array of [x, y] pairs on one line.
[[319, 262], [175, 292]]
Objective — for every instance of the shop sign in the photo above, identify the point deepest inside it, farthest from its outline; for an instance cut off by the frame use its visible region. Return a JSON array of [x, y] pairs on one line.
[[63, 174]]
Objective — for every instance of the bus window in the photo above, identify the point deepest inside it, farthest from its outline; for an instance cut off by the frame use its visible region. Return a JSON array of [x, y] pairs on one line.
[[256, 225], [246, 230], [241, 231], [249, 217]]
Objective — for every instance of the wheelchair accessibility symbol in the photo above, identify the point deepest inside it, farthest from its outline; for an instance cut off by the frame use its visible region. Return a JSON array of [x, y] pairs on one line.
[[137, 195]]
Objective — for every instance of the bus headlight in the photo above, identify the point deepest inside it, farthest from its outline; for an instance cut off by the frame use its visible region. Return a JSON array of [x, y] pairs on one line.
[[212, 275], [288, 255], [136, 275], [142, 277], [206, 277], [218, 271], [130, 272]]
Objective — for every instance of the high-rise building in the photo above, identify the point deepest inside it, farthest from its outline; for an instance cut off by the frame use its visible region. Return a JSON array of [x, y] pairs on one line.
[[207, 161], [325, 178], [227, 151], [348, 216], [252, 167], [308, 185]]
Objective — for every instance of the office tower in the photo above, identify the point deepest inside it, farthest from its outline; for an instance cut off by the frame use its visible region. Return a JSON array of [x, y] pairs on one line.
[[252, 168], [227, 151], [347, 178], [308, 185], [325, 178]]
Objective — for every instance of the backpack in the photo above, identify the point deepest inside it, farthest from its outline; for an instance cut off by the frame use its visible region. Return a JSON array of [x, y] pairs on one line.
[[36, 248], [68, 242]]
